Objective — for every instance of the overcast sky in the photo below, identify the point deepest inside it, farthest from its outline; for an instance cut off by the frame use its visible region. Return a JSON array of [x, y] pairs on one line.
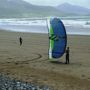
[[84, 3]]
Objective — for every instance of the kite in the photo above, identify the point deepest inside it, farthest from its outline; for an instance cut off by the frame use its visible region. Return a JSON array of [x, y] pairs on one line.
[[57, 38]]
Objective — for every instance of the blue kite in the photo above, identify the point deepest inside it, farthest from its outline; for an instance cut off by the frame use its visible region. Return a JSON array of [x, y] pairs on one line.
[[57, 38]]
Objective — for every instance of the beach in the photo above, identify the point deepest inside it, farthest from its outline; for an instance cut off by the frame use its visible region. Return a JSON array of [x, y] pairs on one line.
[[30, 62]]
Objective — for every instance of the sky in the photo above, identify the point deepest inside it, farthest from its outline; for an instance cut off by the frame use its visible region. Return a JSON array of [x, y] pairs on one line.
[[84, 3]]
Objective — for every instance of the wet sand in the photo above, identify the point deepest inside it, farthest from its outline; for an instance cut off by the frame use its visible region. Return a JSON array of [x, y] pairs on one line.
[[30, 63]]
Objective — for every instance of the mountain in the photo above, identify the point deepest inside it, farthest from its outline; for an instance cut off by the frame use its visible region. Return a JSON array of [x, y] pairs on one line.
[[74, 9], [20, 8]]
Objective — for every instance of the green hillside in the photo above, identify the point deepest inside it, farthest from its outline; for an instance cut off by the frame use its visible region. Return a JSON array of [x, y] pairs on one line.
[[20, 8]]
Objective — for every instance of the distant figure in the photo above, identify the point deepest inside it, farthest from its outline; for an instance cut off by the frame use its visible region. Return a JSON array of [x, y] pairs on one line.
[[20, 40], [67, 56]]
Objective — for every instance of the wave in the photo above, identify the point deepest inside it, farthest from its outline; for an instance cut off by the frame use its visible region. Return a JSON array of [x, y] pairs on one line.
[[40, 26]]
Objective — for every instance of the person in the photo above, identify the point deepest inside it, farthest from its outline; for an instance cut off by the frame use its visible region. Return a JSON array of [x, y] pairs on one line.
[[20, 40], [67, 55]]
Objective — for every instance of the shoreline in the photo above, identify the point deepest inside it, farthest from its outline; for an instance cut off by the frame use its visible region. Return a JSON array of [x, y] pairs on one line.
[[2, 30], [30, 63]]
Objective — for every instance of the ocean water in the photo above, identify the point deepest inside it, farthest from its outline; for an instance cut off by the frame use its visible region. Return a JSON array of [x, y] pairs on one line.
[[73, 26]]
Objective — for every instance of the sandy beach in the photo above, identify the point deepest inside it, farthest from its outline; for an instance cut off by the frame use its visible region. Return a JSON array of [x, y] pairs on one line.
[[30, 63]]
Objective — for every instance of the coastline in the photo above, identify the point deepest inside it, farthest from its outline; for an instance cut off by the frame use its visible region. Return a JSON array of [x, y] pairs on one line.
[[30, 61]]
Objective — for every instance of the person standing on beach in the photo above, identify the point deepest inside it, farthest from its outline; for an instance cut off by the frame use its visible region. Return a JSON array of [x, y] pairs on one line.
[[20, 40], [67, 55]]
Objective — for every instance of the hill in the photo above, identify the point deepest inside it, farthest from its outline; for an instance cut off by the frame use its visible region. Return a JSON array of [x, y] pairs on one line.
[[20, 8], [73, 9]]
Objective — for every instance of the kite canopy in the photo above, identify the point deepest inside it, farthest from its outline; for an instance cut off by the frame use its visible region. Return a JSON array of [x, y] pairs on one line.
[[57, 38]]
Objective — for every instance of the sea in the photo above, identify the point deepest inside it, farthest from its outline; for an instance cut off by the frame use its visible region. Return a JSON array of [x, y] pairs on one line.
[[73, 26]]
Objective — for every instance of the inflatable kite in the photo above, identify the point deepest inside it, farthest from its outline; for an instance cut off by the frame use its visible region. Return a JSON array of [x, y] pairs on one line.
[[57, 38]]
